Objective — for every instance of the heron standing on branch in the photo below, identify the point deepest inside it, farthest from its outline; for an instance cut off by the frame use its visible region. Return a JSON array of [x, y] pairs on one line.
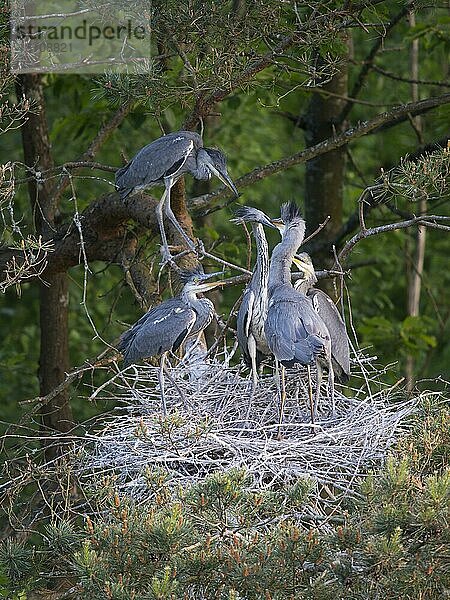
[[328, 312], [294, 331], [165, 327], [253, 310], [163, 162]]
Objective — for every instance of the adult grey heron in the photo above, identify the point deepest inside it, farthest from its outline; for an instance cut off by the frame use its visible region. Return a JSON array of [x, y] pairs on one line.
[[253, 310], [294, 331], [163, 162], [165, 327], [328, 312]]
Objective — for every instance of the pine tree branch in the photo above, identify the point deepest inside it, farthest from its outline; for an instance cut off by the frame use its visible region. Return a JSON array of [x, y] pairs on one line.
[[368, 63], [392, 116], [102, 135]]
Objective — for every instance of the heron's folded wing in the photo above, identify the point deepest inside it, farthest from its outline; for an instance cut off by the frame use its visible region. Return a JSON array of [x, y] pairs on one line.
[[163, 328], [332, 318], [162, 158], [291, 333]]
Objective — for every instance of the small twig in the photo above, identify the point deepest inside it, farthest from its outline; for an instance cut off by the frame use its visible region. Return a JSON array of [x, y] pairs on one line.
[[316, 231]]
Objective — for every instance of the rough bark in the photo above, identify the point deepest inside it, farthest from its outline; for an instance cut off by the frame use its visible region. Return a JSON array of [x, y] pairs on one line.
[[54, 301], [325, 173]]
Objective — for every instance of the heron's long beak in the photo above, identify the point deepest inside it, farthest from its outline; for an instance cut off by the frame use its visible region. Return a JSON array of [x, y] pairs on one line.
[[206, 276], [278, 224], [210, 285], [226, 179], [304, 267]]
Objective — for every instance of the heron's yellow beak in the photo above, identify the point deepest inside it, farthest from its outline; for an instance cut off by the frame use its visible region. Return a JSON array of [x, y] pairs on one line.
[[278, 224], [304, 267], [225, 179], [209, 285]]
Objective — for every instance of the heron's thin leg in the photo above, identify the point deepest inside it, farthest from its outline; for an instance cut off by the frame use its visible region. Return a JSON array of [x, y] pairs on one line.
[[161, 383], [251, 343], [167, 257], [170, 215], [282, 400], [330, 386], [310, 394], [318, 384]]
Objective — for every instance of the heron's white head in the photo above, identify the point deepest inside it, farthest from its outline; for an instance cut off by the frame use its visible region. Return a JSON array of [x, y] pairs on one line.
[[216, 163], [305, 265]]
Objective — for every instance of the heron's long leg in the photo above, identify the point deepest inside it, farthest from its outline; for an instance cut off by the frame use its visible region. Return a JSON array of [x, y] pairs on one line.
[[161, 383], [170, 215], [251, 344], [318, 384], [310, 395], [330, 386], [167, 257], [282, 400]]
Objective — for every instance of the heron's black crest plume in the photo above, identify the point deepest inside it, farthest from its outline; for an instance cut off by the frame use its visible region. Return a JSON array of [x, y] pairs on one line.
[[188, 274], [217, 156], [290, 212], [245, 213]]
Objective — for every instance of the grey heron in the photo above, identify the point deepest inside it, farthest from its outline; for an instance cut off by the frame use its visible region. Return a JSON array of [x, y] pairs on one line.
[[165, 327], [328, 312], [163, 162], [294, 331], [253, 310]]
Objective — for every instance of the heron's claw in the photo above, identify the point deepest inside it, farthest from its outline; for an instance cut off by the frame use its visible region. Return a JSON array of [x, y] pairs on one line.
[[167, 257], [200, 249]]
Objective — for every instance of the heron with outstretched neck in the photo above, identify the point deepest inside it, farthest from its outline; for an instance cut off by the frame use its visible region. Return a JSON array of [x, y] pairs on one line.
[[328, 312], [165, 327], [295, 333], [253, 310], [163, 162]]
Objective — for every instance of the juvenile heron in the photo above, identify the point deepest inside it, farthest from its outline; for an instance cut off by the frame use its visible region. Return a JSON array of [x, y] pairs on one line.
[[294, 331], [163, 162], [253, 310], [328, 312], [165, 327]]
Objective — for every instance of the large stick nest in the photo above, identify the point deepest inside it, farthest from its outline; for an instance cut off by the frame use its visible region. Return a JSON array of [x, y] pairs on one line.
[[210, 426]]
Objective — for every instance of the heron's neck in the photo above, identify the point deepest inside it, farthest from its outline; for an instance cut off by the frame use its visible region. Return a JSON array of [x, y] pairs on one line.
[[261, 272], [306, 283], [200, 170], [282, 256], [201, 305]]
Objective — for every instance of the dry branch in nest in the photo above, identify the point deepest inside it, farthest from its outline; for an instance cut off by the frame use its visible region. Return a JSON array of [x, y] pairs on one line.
[[207, 429]]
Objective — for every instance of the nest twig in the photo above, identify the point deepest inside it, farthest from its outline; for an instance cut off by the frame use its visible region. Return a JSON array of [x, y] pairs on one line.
[[207, 428]]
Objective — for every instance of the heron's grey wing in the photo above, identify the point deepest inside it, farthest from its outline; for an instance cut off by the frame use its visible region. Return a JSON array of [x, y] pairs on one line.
[[163, 328], [243, 323], [292, 332], [162, 158], [332, 318]]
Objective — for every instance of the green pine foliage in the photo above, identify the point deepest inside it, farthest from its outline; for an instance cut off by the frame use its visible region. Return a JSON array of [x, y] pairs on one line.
[[221, 539]]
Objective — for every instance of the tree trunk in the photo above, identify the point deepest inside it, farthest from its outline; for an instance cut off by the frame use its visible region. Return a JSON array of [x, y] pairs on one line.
[[325, 174], [54, 300], [415, 255]]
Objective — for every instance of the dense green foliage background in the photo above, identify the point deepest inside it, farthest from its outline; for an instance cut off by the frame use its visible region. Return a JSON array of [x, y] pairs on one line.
[[391, 543]]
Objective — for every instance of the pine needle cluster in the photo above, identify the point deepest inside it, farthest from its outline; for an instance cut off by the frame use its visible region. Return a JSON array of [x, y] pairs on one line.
[[220, 539]]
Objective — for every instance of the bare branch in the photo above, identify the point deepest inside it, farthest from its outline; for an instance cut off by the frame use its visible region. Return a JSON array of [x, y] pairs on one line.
[[368, 63], [103, 134], [425, 220], [348, 136]]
